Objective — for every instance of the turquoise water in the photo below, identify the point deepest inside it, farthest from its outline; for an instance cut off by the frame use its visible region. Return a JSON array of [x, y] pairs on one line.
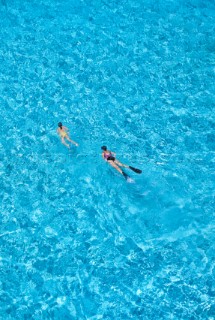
[[76, 240]]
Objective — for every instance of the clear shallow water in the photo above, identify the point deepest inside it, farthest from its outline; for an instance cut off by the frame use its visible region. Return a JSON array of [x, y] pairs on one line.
[[77, 241]]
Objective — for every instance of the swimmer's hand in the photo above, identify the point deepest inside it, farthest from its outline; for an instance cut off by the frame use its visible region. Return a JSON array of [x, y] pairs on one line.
[[76, 144]]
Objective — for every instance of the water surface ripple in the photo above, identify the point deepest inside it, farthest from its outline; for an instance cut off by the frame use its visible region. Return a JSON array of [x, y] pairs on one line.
[[76, 240]]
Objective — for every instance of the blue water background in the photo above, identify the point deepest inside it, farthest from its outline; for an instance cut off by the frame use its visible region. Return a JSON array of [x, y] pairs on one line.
[[76, 240]]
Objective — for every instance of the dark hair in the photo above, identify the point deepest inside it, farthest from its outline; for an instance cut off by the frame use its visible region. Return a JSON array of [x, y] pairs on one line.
[[60, 125], [104, 148]]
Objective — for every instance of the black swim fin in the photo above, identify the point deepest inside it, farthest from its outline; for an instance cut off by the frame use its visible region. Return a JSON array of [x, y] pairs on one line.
[[126, 176], [135, 169]]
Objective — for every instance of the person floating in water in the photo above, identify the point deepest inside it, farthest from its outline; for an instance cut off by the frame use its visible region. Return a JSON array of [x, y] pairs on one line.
[[63, 133], [109, 156]]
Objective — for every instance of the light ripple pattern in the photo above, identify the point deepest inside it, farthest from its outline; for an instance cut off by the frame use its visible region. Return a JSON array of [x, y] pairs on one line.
[[76, 240]]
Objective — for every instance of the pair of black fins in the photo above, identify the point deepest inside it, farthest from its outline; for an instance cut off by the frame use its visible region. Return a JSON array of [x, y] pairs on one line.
[[133, 169]]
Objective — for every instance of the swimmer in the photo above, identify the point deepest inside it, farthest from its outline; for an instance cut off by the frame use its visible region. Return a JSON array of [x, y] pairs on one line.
[[109, 156], [63, 133]]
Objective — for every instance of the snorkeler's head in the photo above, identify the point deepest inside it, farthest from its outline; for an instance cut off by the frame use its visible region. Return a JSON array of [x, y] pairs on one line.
[[104, 148], [60, 124]]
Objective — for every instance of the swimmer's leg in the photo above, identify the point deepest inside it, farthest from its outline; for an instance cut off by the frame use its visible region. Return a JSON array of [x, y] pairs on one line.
[[121, 164], [113, 164], [70, 140], [126, 166], [63, 141]]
